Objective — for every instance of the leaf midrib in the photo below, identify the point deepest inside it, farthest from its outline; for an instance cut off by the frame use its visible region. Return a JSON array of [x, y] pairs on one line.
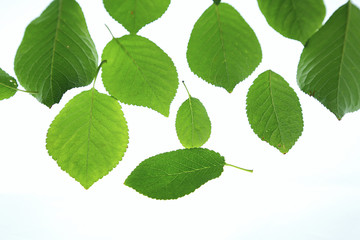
[[89, 135]]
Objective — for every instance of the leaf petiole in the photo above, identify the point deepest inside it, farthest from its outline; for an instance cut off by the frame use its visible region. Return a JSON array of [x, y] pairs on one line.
[[98, 70], [16, 89], [247, 170]]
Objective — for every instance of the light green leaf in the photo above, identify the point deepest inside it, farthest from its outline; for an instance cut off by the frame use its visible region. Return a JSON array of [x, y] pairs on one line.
[[138, 72], [295, 19], [89, 137], [193, 126], [223, 49], [134, 15], [175, 174], [329, 67], [274, 111], [56, 53], [8, 85]]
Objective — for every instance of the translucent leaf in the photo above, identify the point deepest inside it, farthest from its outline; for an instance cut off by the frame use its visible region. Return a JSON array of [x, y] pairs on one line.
[[56, 53], [8, 85], [138, 72], [274, 111], [134, 15], [223, 49], [89, 137], [329, 67], [193, 126], [295, 19], [175, 174]]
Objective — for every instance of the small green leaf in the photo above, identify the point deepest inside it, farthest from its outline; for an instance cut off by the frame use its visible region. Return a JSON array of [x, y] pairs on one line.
[[295, 19], [274, 111], [329, 67], [56, 53], [175, 174], [193, 126], [223, 49], [8, 85], [138, 72], [134, 15], [89, 137]]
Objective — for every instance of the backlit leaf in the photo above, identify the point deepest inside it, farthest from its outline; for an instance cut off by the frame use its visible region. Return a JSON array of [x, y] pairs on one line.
[[138, 72], [175, 174], [56, 53], [8, 85], [134, 15], [274, 111], [223, 49], [89, 137], [329, 67], [295, 19], [193, 126]]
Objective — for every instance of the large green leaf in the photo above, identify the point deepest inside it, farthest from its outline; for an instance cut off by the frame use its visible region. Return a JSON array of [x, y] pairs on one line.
[[274, 111], [295, 19], [193, 126], [89, 137], [8, 85], [56, 53], [175, 174], [223, 49], [329, 67], [134, 15], [138, 72]]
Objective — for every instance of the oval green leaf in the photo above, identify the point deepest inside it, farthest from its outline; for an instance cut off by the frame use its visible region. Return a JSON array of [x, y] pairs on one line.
[[223, 49], [274, 112], [8, 85], [134, 15], [329, 67], [89, 137], [175, 174], [138, 72], [295, 19], [193, 126], [56, 53]]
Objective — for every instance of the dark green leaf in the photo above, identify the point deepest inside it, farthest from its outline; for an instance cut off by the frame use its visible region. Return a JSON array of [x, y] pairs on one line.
[[138, 72], [223, 49], [193, 126], [134, 15], [274, 111], [175, 174], [89, 137], [329, 67], [56, 53], [8, 85], [295, 19]]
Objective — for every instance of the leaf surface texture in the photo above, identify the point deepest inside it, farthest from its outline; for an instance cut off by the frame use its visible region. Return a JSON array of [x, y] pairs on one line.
[[8, 85], [89, 137], [56, 53]]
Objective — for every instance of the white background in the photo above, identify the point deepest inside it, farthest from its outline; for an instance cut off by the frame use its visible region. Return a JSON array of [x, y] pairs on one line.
[[313, 192]]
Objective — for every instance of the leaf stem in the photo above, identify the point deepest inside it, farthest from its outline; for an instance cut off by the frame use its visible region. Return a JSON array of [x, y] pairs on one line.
[[98, 70], [109, 31], [186, 89], [247, 170], [16, 89]]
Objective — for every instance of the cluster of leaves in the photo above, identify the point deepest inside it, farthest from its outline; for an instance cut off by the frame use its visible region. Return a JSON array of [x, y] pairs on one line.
[[89, 137]]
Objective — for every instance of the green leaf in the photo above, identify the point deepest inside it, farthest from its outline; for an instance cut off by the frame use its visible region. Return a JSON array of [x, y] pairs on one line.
[[329, 67], [295, 19], [89, 137], [193, 126], [138, 72], [8, 85], [274, 111], [175, 174], [56, 53], [134, 15], [223, 49]]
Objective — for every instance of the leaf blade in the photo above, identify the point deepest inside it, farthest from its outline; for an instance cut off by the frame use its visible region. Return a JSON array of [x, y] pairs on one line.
[[8, 85], [56, 53], [223, 49], [88, 137], [163, 176], [274, 111]]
